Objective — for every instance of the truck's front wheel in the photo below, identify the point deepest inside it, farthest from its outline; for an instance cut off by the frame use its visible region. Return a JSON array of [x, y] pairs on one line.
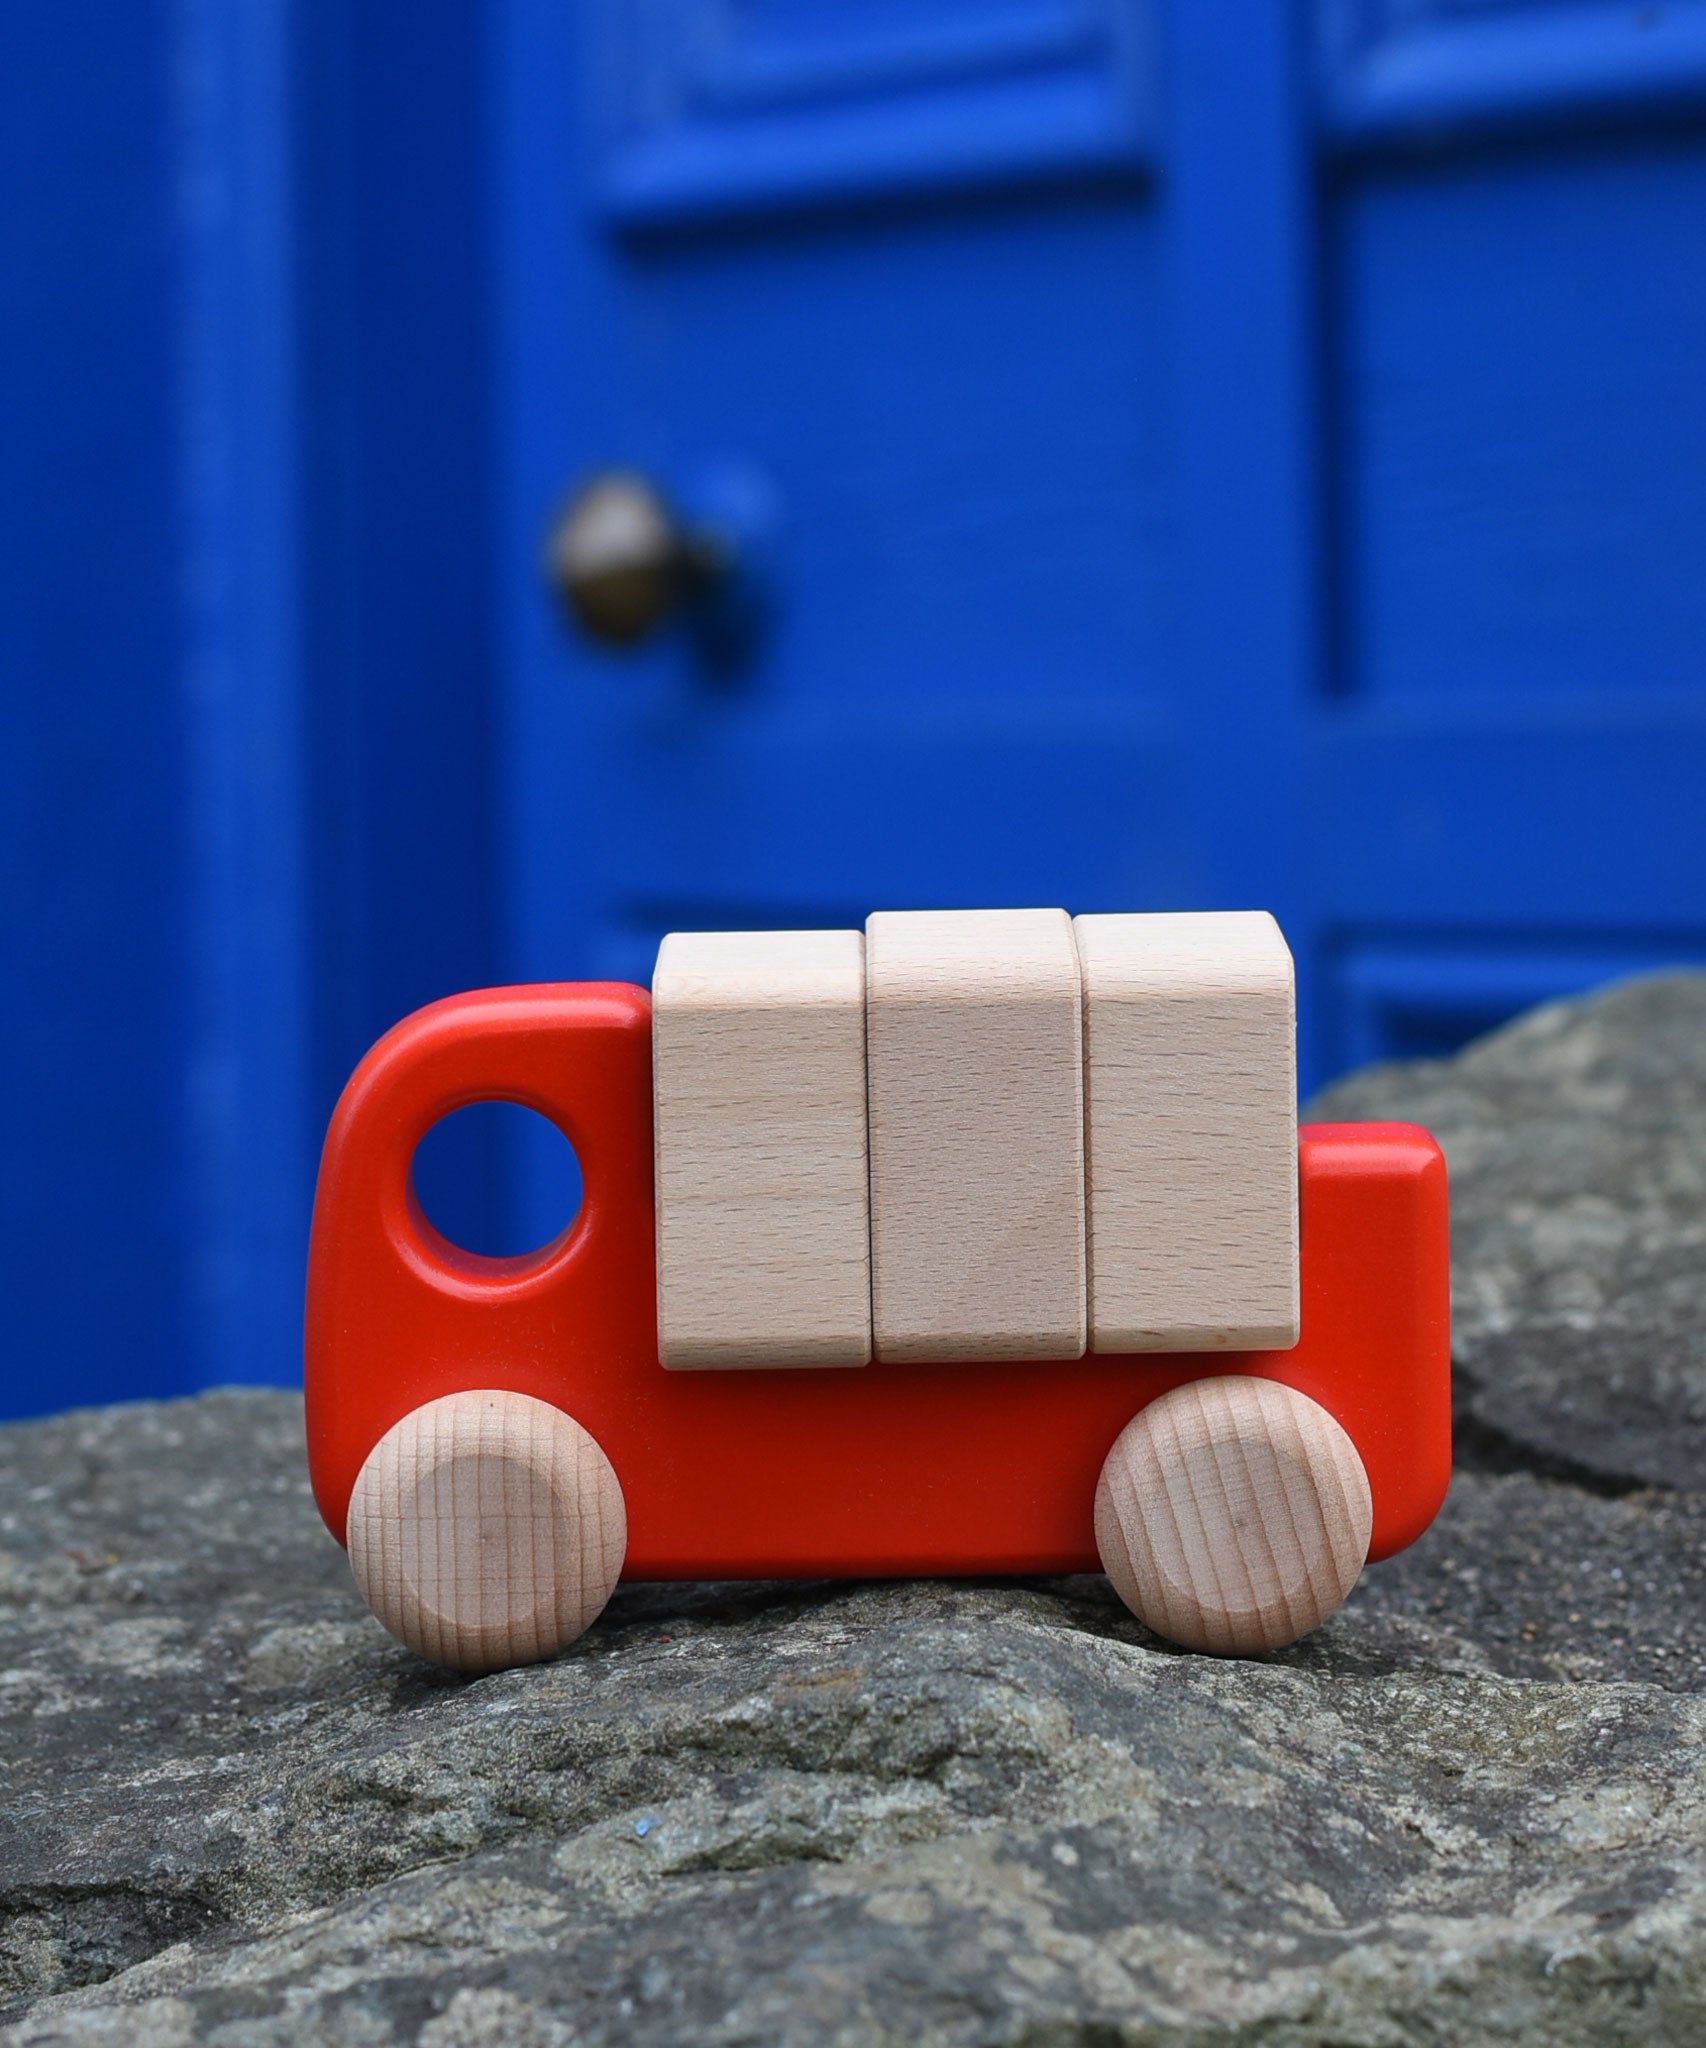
[[486, 1529]]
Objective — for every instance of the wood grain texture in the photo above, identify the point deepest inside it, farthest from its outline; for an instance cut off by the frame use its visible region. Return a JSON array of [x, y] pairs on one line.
[[1233, 1515], [763, 1218], [486, 1529], [1191, 1132], [974, 1033]]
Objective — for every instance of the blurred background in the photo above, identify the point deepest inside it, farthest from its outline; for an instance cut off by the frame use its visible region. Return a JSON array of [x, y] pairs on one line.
[[482, 485]]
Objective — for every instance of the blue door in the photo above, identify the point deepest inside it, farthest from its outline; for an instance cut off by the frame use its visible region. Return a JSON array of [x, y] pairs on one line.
[[1178, 457]]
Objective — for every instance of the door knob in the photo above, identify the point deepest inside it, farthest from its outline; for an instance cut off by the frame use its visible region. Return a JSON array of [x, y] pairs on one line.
[[623, 563]]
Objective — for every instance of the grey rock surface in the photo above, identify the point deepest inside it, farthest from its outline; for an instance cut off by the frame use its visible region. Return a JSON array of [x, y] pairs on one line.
[[1576, 1140], [1471, 1808]]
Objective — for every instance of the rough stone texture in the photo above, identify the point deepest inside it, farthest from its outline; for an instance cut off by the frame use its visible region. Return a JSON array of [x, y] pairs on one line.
[[1471, 1809], [1576, 1140]]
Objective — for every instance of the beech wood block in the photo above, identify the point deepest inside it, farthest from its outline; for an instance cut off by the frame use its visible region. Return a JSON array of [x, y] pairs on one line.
[[486, 1529], [1191, 1132], [1233, 1515], [975, 1077], [763, 1218]]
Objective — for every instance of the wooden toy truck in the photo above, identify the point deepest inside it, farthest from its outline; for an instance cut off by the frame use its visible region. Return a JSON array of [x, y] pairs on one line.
[[497, 1441]]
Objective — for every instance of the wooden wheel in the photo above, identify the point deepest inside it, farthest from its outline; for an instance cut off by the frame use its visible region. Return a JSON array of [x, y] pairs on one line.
[[486, 1529], [1233, 1515]]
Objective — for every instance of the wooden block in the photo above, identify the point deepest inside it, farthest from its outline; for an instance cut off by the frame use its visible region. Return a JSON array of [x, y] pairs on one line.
[[763, 1218], [486, 1529], [974, 1059], [1233, 1515], [1191, 1132]]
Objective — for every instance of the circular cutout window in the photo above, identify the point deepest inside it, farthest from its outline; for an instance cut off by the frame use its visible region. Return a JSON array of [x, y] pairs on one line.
[[497, 1179]]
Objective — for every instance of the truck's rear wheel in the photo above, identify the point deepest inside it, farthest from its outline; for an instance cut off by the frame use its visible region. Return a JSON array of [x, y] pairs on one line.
[[486, 1529], [1233, 1515]]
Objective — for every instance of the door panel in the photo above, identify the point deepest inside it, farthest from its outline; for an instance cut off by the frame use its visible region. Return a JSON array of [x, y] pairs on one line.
[[931, 377], [958, 420], [1512, 747], [1525, 422], [707, 111], [957, 483]]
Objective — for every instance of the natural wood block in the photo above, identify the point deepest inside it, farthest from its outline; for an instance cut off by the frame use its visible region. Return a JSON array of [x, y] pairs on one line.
[[1191, 1132], [975, 1082], [1233, 1515], [763, 1220], [486, 1529]]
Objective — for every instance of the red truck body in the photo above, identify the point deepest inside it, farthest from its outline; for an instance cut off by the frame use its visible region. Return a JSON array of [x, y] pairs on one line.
[[876, 1470]]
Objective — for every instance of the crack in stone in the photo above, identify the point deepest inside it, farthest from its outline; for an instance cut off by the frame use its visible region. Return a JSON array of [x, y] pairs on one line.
[[78, 1935], [1478, 1445]]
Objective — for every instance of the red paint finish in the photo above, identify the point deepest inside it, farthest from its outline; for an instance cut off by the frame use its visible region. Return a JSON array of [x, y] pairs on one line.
[[867, 1471]]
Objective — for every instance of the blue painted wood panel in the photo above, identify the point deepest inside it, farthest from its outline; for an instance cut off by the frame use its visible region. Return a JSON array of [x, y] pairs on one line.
[[1523, 423], [711, 114], [245, 742], [1514, 313], [961, 477], [395, 369], [97, 1196]]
